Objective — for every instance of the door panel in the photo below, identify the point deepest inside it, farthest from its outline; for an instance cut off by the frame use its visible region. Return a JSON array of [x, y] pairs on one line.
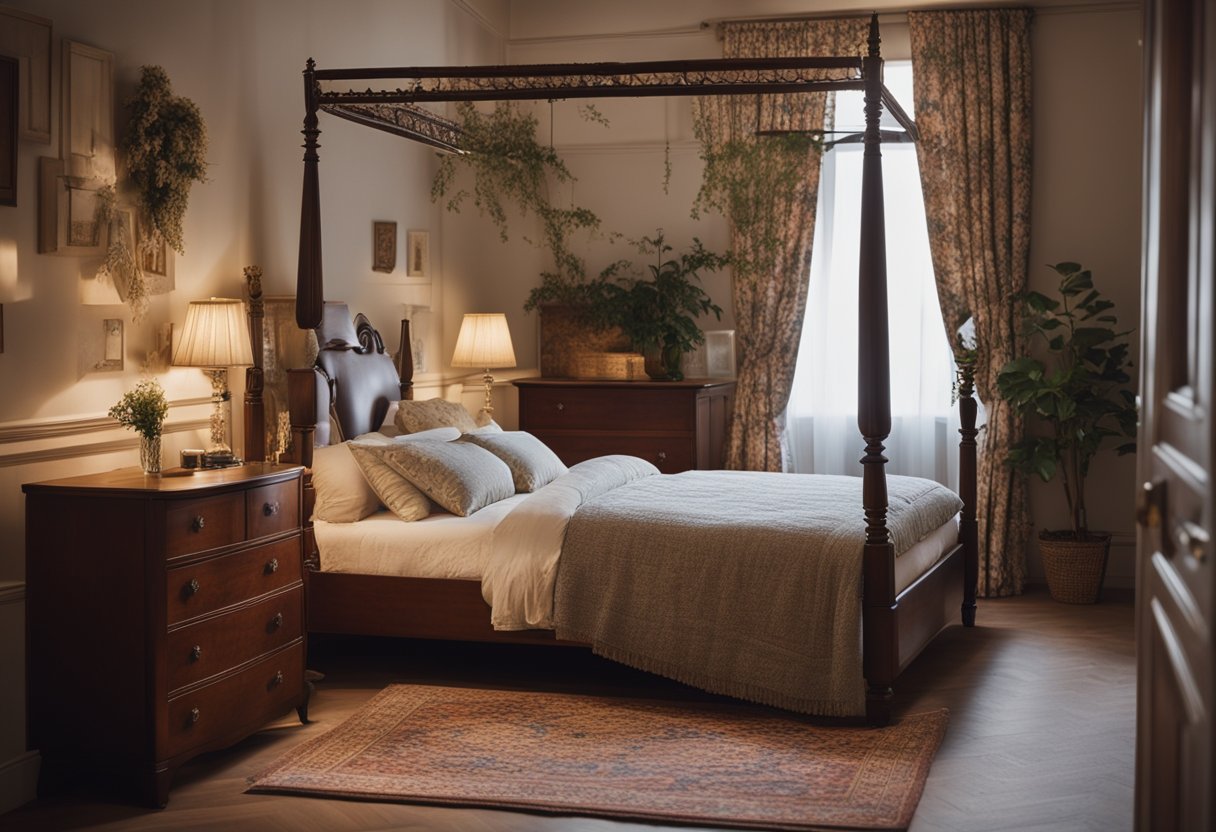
[[1175, 586]]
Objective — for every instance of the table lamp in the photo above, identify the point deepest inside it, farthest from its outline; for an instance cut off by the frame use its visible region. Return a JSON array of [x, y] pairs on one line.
[[484, 341], [216, 337]]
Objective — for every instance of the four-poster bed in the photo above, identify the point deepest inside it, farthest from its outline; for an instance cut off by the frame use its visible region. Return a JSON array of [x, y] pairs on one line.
[[354, 381]]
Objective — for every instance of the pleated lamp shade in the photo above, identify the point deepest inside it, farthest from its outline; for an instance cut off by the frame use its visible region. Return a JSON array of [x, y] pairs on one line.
[[215, 334], [484, 341]]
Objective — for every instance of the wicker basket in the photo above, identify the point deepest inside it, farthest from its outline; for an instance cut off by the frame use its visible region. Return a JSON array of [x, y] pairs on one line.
[[1075, 568]]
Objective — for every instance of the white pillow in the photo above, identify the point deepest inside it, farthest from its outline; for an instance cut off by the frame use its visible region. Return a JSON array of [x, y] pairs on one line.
[[533, 465], [459, 476], [343, 494], [397, 494]]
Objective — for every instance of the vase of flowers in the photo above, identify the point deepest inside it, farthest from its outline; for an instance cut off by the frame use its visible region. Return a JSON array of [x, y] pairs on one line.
[[143, 409]]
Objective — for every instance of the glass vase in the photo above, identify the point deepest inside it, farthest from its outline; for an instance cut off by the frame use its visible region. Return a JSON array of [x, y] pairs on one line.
[[149, 454]]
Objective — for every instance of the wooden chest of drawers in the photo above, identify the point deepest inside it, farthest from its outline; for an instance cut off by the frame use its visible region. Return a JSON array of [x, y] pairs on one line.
[[677, 425], [165, 617]]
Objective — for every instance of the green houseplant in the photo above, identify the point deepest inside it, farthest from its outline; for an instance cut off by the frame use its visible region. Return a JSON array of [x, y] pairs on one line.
[[659, 313], [143, 409], [1079, 393]]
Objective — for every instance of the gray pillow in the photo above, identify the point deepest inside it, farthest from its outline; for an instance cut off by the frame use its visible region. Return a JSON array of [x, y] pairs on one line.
[[460, 477], [532, 463]]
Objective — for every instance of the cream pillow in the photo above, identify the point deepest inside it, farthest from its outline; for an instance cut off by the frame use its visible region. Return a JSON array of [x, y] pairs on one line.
[[343, 494], [532, 463], [397, 494], [459, 476], [414, 416]]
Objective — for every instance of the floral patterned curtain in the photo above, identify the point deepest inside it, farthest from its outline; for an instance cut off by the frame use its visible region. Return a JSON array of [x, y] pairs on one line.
[[971, 76], [767, 185]]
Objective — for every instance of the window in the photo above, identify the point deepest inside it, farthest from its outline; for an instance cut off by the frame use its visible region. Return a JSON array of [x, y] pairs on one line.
[[822, 414]]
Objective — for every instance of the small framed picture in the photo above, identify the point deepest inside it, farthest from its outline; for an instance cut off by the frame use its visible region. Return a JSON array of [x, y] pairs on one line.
[[111, 345], [384, 246], [720, 353], [418, 244]]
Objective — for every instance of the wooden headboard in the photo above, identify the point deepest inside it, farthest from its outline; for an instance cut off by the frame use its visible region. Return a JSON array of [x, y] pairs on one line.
[[348, 390]]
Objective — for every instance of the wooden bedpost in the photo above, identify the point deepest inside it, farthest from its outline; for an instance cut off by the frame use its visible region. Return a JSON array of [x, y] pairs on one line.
[[255, 408], [302, 398], [309, 292], [880, 657], [405, 361], [968, 530]]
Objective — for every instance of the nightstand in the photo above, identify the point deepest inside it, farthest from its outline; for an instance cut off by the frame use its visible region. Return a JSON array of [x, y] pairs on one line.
[[676, 425], [165, 618]]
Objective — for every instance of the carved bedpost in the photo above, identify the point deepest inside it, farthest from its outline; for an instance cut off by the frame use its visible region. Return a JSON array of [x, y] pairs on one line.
[[405, 361], [968, 530], [302, 396], [881, 662], [255, 409], [309, 291]]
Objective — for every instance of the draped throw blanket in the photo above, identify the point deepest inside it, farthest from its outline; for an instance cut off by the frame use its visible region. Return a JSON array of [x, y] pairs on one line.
[[971, 74], [767, 186]]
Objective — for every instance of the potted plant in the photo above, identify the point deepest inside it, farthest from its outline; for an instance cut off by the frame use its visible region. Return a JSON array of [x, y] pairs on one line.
[[143, 409], [659, 313], [1080, 394]]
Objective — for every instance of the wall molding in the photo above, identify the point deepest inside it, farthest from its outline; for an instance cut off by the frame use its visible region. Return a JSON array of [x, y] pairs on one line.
[[11, 592], [19, 781], [33, 430], [481, 18], [96, 448]]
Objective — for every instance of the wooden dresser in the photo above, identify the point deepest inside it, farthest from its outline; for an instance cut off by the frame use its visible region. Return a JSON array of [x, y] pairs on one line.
[[165, 617], [677, 425]]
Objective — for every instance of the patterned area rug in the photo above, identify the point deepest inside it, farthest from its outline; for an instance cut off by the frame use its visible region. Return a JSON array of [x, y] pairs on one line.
[[701, 763]]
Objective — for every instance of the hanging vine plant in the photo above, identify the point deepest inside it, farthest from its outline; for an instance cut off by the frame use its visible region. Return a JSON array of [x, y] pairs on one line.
[[165, 146]]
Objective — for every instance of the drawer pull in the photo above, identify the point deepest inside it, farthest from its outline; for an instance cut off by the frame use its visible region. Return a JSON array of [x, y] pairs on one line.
[[192, 587], [196, 653], [272, 566], [194, 715], [662, 456], [277, 680], [270, 509], [277, 621], [561, 406], [197, 524]]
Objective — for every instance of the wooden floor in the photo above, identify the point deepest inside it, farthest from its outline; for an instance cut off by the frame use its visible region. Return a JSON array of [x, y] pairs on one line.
[[1042, 701]]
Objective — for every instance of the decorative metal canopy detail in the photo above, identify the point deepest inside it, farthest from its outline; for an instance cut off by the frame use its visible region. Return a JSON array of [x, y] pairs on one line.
[[403, 120]]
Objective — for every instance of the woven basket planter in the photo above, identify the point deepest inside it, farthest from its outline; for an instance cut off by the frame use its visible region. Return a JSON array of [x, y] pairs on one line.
[[1075, 568]]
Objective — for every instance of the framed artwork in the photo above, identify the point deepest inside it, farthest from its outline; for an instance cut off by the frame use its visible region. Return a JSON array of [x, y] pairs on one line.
[[418, 245], [158, 358], [27, 38], [67, 214], [720, 353], [384, 246], [86, 130], [8, 130], [155, 259]]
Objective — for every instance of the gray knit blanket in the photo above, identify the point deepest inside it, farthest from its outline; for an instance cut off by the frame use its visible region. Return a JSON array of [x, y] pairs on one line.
[[741, 583]]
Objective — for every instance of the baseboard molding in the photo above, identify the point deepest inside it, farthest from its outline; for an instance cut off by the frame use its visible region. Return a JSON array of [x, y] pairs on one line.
[[19, 781]]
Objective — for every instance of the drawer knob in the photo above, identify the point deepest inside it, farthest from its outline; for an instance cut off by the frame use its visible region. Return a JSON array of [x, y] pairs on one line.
[[194, 715], [662, 456], [277, 621], [278, 679], [270, 509], [197, 524], [561, 406], [272, 566], [193, 587], [196, 653]]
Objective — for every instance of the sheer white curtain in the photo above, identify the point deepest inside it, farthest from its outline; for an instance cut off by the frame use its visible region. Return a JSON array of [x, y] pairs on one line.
[[822, 413]]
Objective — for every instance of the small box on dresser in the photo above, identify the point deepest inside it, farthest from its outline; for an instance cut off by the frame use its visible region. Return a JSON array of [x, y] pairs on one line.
[[676, 425], [165, 618]]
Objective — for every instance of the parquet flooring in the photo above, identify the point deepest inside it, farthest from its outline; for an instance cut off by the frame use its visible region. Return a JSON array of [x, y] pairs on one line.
[[1041, 737]]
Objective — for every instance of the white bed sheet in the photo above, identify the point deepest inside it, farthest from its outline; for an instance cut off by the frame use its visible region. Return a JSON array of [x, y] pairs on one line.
[[440, 546]]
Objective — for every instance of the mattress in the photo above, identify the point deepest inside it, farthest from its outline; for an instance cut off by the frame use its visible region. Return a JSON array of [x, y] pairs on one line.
[[446, 546], [440, 546]]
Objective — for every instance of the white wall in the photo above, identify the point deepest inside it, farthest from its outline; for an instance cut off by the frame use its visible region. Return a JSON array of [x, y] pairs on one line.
[[241, 63]]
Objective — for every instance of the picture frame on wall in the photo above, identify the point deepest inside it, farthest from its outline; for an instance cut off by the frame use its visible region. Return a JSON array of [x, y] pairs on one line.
[[86, 128], [9, 74], [27, 38], [384, 246], [418, 250], [156, 259]]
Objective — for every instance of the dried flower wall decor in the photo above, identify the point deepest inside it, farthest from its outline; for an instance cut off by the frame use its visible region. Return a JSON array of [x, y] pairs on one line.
[[165, 146]]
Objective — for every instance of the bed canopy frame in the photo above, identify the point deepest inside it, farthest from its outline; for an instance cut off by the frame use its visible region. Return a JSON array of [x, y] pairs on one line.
[[921, 610]]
